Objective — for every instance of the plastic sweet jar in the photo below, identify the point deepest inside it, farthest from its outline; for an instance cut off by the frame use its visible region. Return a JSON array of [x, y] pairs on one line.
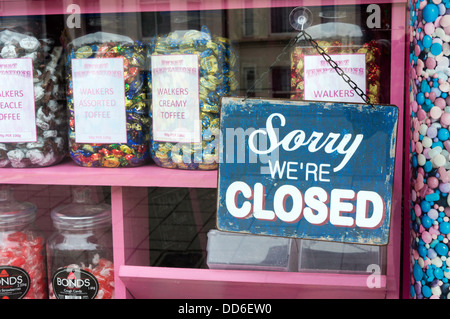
[[22, 250], [351, 48], [107, 93], [190, 70], [79, 252], [39, 140]]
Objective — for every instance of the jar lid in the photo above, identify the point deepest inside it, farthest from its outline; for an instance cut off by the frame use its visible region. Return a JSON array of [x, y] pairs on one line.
[[82, 212], [12, 212]]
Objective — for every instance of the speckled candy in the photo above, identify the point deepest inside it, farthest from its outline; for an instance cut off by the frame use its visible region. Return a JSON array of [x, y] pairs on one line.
[[429, 27]]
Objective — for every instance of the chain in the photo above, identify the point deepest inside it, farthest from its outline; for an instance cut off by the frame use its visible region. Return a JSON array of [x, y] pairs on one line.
[[325, 56]]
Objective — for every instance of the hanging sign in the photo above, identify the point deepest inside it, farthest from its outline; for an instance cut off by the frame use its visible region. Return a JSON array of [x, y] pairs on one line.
[[311, 170]]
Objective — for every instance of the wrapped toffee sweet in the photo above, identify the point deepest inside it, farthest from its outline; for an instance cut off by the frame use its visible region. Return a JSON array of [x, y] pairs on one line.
[[190, 72], [32, 114], [107, 101]]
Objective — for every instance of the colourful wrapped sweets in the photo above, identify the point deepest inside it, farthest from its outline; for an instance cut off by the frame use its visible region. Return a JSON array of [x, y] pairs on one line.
[[33, 125], [371, 50], [107, 101], [189, 72]]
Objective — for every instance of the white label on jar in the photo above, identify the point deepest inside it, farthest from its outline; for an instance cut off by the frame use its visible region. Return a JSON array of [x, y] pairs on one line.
[[99, 100], [322, 83], [17, 111], [175, 98]]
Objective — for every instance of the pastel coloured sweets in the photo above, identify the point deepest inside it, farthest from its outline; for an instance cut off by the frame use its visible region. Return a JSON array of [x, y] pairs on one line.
[[429, 143]]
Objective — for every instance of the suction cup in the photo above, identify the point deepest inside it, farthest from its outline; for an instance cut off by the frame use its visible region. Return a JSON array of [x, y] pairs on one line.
[[300, 18]]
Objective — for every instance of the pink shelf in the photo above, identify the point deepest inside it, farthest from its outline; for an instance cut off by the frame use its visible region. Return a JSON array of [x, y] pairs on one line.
[[68, 173], [160, 282]]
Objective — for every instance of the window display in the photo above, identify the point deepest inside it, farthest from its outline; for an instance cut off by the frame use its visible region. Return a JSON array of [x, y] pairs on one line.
[[137, 88]]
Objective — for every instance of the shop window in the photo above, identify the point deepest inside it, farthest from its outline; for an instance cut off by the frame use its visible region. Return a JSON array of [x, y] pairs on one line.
[[179, 218], [249, 78], [179, 221], [248, 22], [281, 84], [279, 20]]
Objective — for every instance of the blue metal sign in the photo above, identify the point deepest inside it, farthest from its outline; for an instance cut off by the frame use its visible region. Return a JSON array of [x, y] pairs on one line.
[[310, 170]]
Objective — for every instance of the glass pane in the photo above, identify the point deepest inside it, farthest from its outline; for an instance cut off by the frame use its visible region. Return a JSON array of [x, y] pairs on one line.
[[178, 220], [339, 257]]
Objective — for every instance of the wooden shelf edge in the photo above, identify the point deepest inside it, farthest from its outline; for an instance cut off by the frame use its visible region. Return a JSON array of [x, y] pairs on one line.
[[161, 282]]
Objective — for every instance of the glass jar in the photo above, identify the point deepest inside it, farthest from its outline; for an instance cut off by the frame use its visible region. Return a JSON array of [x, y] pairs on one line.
[[22, 250], [79, 253]]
